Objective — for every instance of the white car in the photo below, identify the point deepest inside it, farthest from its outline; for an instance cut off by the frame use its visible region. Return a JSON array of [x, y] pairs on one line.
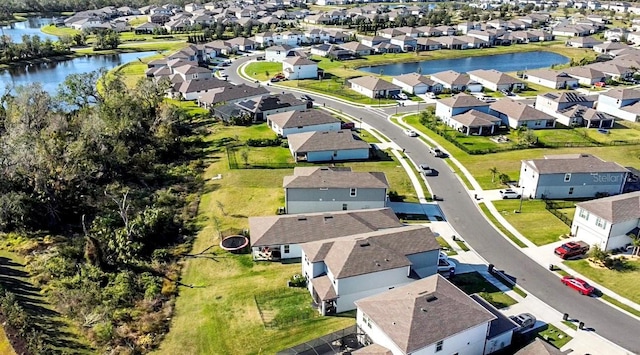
[[410, 133], [431, 95], [509, 194], [437, 152], [402, 96]]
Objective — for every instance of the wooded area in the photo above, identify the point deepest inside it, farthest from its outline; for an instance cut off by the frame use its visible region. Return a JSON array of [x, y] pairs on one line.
[[95, 187]]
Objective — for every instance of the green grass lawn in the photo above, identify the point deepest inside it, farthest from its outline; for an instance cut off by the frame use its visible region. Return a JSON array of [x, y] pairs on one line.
[[622, 131], [335, 88], [263, 70], [367, 136], [528, 221], [559, 136], [474, 282], [445, 246], [498, 225], [554, 336], [625, 283], [190, 107], [59, 31]]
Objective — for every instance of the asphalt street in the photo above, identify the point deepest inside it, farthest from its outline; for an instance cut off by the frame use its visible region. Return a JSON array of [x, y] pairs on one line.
[[469, 222]]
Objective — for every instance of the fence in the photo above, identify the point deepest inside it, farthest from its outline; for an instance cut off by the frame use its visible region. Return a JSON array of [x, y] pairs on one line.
[[331, 343], [554, 206], [277, 318]]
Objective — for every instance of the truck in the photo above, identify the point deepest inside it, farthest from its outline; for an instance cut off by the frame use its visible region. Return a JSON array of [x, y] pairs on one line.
[[572, 249]]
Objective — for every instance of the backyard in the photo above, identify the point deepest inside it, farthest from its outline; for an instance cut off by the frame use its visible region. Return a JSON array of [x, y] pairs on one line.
[[527, 222]]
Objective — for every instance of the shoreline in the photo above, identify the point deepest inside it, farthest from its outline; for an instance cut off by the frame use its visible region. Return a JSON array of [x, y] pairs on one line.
[[66, 57]]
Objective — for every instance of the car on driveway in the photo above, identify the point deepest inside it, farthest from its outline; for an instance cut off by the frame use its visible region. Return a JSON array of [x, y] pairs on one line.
[[426, 170], [410, 133], [437, 152], [524, 321], [402, 96], [431, 95], [579, 285], [509, 194]]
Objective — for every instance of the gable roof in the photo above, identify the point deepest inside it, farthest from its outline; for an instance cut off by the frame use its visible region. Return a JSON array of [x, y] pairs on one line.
[[331, 177], [565, 97], [230, 93], [463, 100], [573, 163], [586, 113], [413, 79], [539, 347], [304, 118], [519, 111], [549, 74], [319, 141], [371, 252], [423, 312], [374, 83], [270, 102], [298, 229], [622, 94], [373, 349], [475, 118], [451, 77], [355, 46], [615, 209], [299, 61], [196, 85], [494, 76]]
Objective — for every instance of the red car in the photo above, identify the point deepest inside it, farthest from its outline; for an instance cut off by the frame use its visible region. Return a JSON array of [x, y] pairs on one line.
[[578, 284]]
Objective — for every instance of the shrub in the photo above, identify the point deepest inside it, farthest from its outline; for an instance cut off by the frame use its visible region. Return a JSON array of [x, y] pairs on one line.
[[103, 332], [264, 142]]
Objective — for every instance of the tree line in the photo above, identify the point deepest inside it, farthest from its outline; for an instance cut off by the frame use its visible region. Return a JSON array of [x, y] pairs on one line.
[[32, 47], [48, 6], [98, 177]]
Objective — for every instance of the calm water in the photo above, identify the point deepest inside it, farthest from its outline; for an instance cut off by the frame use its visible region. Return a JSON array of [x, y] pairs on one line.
[[50, 75], [30, 27], [502, 62]]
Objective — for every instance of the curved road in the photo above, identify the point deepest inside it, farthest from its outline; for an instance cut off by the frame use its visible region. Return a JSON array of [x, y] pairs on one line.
[[464, 216]]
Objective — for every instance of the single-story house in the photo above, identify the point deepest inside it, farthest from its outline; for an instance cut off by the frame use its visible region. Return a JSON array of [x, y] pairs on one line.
[[357, 48], [319, 146], [295, 68], [192, 89], [374, 87], [455, 81], [583, 42], [417, 84], [608, 222], [578, 115], [571, 176], [495, 80], [516, 114], [260, 108], [428, 44], [586, 75], [552, 79], [289, 122], [324, 189], [474, 122], [279, 237], [345, 269]]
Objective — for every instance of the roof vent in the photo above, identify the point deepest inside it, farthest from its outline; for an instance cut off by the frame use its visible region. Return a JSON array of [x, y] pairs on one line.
[[431, 298], [385, 259], [328, 218], [302, 218], [365, 244], [423, 309]]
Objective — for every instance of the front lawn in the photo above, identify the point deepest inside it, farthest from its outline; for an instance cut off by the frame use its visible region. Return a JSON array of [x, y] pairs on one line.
[[474, 282], [335, 87], [528, 221], [554, 336], [263, 70], [624, 282]]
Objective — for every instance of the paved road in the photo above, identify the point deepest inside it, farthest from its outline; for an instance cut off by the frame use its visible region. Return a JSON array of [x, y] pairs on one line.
[[463, 215]]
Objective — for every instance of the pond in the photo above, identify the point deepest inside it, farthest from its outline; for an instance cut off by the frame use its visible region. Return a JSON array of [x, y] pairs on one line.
[[50, 75], [29, 27], [503, 62]]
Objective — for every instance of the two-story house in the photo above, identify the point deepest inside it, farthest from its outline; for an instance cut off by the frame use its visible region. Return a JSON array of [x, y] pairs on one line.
[[608, 222], [571, 176], [325, 146], [318, 189], [553, 102], [295, 68], [279, 237], [342, 270], [290, 122], [459, 104], [621, 103], [552, 79]]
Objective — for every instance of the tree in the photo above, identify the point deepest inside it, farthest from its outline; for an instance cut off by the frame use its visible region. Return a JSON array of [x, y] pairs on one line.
[[504, 178], [635, 242], [598, 255], [494, 171], [80, 90]]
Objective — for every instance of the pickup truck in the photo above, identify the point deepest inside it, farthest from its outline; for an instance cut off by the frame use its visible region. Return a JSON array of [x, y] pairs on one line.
[[572, 249]]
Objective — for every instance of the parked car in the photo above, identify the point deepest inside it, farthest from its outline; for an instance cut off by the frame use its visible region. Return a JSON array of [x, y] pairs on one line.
[[274, 80], [446, 267], [572, 249], [600, 84], [427, 170], [524, 321], [579, 285], [509, 194], [260, 58], [437, 152], [348, 125], [306, 97], [431, 95], [410, 133], [402, 96]]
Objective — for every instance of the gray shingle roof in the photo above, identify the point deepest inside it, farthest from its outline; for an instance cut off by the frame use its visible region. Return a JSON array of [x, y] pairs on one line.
[[622, 94], [413, 79], [424, 312], [494, 76], [325, 177], [231, 93], [519, 111], [475, 118], [615, 209], [373, 349], [451, 77], [576, 163], [320, 141], [297, 229], [463, 100], [304, 118], [373, 83], [196, 85], [539, 347]]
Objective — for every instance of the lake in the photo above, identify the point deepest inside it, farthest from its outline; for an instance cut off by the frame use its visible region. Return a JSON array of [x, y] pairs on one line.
[[502, 62], [30, 27], [50, 75]]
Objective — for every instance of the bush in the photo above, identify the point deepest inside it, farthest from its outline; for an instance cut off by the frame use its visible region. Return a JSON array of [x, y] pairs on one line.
[[103, 332], [265, 142]]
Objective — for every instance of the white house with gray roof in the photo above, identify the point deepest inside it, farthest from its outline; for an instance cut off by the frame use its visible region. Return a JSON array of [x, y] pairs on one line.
[[459, 104], [517, 114], [290, 122], [552, 79], [343, 270], [621, 103], [319, 146], [571, 176], [323, 189], [417, 84], [607, 222], [296, 68], [279, 237], [428, 316], [374, 87], [495, 80]]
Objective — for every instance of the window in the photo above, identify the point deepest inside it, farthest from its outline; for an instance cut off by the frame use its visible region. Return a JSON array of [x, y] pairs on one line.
[[324, 188], [344, 206], [286, 249], [567, 177], [366, 320], [571, 191], [439, 346], [601, 223], [584, 214], [353, 192]]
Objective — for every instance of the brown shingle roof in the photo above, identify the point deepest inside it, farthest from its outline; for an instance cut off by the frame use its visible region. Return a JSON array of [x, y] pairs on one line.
[[325, 177], [230, 93], [413, 79], [424, 312], [475, 118], [373, 83], [494, 76], [324, 288], [319, 141], [575, 163], [539, 347], [463, 100], [519, 111], [196, 85], [451, 77], [297, 229], [615, 209], [304, 118], [373, 349], [622, 94]]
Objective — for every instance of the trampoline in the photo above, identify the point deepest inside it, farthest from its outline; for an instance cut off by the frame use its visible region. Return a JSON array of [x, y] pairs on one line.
[[235, 243]]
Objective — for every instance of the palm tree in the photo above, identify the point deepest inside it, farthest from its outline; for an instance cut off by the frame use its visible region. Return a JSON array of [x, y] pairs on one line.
[[494, 172], [635, 241]]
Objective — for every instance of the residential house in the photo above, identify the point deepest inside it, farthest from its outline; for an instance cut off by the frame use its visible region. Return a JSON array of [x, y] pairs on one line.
[[407, 43], [573, 30], [517, 114], [427, 316], [410, 31], [357, 48], [452, 42], [553, 102], [296, 68], [427, 44], [456, 82], [582, 42], [539, 347], [578, 115], [387, 48], [374, 87], [242, 44], [416, 84], [606, 47], [343, 270], [615, 69], [230, 94], [461, 103], [260, 108], [316, 35], [285, 123], [279, 237], [571, 176], [495, 80], [465, 27], [374, 41], [474, 122], [474, 42], [191, 72], [324, 146], [322, 49], [391, 32], [428, 31], [621, 103], [552, 79], [616, 34], [147, 28], [586, 75], [608, 222], [325, 189], [192, 89], [279, 53]]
